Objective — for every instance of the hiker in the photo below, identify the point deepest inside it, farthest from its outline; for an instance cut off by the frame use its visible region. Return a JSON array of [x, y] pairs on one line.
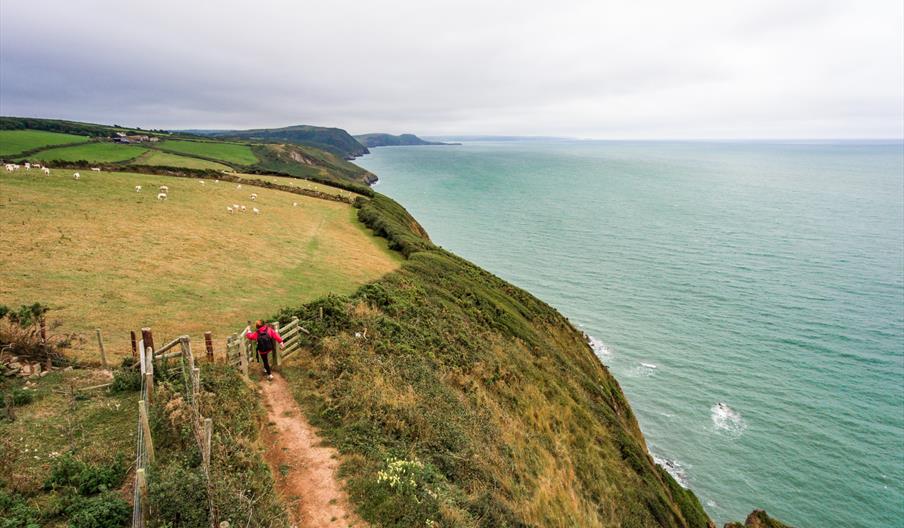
[[266, 338]]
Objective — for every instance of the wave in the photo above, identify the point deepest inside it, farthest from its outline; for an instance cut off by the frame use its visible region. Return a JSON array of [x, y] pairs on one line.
[[674, 468], [599, 348], [727, 420], [648, 365]]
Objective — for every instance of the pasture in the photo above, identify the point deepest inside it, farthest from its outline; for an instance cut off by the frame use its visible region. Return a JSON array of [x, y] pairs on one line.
[[165, 159], [301, 184], [16, 141], [95, 152], [228, 152], [102, 255]]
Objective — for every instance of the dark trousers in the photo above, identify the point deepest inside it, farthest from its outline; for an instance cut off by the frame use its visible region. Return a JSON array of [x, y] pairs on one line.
[[265, 357]]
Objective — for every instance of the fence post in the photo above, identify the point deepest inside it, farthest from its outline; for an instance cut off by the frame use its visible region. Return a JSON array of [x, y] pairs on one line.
[[208, 342], [208, 433], [43, 330], [143, 490], [149, 372], [100, 344], [243, 357], [195, 384], [148, 337], [134, 345], [185, 342], [321, 313], [146, 427], [276, 348]]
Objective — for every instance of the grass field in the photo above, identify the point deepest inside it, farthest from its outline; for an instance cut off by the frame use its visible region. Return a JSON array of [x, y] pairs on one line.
[[103, 256], [16, 141], [165, 159], [228, 152], [301, 184], [93, 152]]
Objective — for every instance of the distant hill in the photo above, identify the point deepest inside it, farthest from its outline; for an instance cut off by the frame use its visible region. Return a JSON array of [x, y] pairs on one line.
[[334, 140], [389, 140]]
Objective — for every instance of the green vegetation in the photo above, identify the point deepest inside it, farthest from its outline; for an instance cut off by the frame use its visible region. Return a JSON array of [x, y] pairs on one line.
[[389, 140], [242, 485], [100, 251], [472, 403], [17, 141], [63, 459], [165, 159], [212, 150], [314, 164], [333, 140], [758, 519], [94, 152]]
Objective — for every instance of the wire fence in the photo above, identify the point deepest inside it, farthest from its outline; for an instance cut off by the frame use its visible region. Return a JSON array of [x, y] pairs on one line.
[[202, 428]]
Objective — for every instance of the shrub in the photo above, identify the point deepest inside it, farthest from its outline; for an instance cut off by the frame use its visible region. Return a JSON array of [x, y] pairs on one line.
[[16, 513], [104, 511], [179, 495], [22, 397], [86, 479], [126, 380]]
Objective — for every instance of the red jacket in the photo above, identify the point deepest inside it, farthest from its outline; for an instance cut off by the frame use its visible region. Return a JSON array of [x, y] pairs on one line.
[[270, 331]]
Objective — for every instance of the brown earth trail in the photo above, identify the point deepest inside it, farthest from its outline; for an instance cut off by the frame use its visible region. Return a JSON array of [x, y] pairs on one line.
[[304, 469]]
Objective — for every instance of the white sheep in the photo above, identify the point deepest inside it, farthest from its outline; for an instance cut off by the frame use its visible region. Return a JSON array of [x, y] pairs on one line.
[[76, 175], [255, 210], [45, 170], [294, 204], [202, 182], [27, 165], [239, 186], [161, 196], [216, 181], [229, 209], [138, 188], [253, 196], [9, 167], [244, 210], [95, 169], [235, 206], [164, 188]]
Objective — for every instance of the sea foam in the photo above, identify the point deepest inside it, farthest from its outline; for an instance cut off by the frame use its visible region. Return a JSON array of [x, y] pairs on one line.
[[727, 420]]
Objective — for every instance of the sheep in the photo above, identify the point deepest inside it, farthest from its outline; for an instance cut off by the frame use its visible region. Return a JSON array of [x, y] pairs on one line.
[[235, 206], [253, 196], [202, 182], [255, 210], [164, 188], [95, 169], [216, 181], [76, 175], [294, 204], [9, 167], [27, 165], [244, 210], [161, 196], [138, 188], [238, 187], [45, 170], [37, 166], [229, 209]]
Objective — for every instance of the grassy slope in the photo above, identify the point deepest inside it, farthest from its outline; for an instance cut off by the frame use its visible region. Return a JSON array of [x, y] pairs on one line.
[[16, 141], [165, 159], [101, 152], [105, 256], [498, 406], [333, 140], [228, 152], [309, 162], [302, 184]]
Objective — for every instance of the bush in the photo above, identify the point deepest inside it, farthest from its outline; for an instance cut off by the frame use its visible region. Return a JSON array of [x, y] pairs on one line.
[[104, 511], [126, 380], [179, 495], [22, 397], [86, 479], [16, 513]]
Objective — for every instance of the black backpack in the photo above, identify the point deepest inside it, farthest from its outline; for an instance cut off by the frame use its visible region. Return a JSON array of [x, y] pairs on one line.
[[264, 341]]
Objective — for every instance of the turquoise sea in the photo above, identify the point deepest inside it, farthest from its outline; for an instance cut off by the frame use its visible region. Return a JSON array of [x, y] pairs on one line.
[[749, 297]]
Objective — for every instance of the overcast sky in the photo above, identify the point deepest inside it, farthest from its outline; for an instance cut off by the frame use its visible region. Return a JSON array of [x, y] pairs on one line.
[[602, 69]]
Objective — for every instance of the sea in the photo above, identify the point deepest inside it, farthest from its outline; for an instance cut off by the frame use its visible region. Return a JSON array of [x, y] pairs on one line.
[[748, 297]]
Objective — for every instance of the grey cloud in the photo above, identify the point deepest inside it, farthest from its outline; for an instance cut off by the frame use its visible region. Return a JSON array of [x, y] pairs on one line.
[[592, 69]]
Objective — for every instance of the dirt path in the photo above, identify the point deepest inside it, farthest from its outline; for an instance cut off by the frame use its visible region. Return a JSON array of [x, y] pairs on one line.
[[305, 471]]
